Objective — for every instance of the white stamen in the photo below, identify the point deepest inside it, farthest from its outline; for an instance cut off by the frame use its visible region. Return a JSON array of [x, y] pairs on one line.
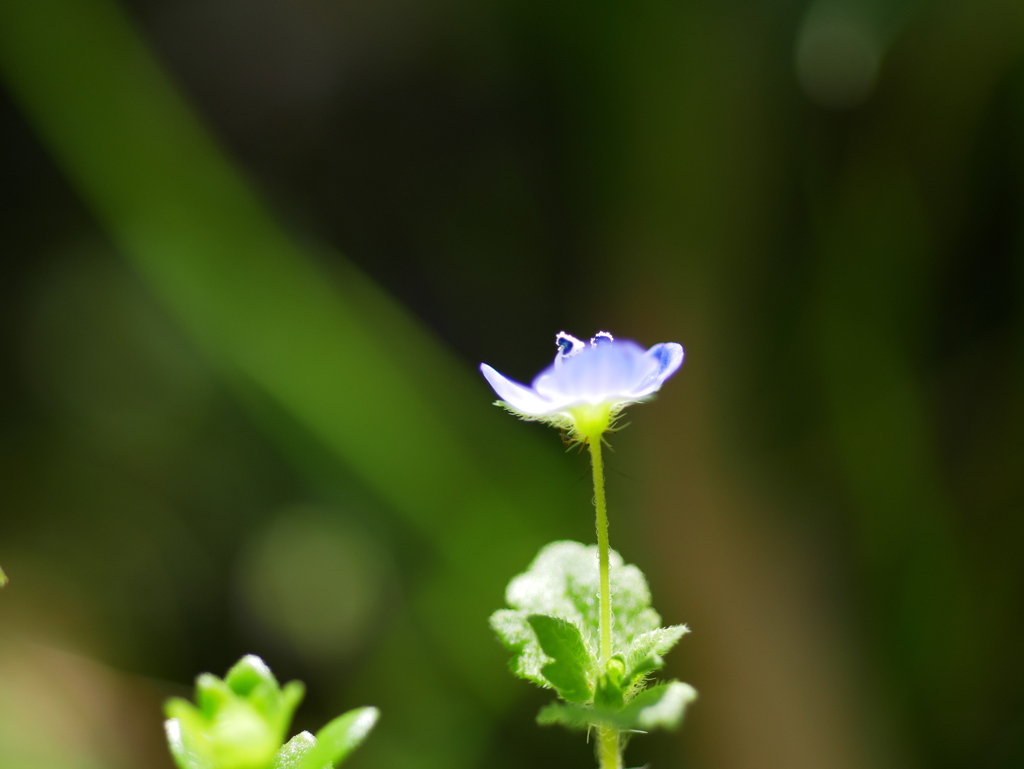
[[568, 345]]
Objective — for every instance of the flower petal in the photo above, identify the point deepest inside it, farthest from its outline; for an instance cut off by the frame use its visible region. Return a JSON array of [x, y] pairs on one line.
[[606, 372], [667, 358], [518, 396]]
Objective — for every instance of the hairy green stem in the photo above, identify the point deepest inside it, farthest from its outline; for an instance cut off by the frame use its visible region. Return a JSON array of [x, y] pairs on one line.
[[608, 754], [608, 751], [602, 547]]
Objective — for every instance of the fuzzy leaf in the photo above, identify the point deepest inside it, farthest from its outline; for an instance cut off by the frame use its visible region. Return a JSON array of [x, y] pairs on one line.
[[212, 694], [609, 696], [247, 674], [645, 653], [563, 582], [516, 634], [661, 706], [185, 751], [339, 738], [293, 753], [570, 673], [571, 716], [658, 641]]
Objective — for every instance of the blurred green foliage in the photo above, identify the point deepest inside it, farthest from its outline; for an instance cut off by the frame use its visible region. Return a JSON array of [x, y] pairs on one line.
[[207, 413], [240, 722]]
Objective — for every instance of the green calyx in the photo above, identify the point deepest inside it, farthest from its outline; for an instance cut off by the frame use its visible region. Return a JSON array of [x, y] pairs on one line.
[[584, 423], [590, 422]]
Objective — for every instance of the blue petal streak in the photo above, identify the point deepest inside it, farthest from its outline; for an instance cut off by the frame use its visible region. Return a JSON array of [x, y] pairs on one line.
[[668, 357]]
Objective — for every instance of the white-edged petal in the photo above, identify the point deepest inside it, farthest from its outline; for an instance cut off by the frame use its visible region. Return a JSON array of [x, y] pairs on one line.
[[667, 357], [520, 397]]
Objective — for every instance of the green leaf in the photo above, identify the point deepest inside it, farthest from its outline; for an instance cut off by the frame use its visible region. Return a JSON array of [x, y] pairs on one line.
[[241, 738], [248, 673], [516, 634], [211, 694], [638, 675], [661, 706], [644, 654], [563, 582], [612, 687], [251, 680], [339, 738], [571, 716], [3, 578], [658, 641], [293, 753], [186, 750], [176, 707], [572, 670], [291, 696]]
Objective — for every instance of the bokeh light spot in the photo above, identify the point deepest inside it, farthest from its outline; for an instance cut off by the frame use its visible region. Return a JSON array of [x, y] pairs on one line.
[[838, 55], [313, 581]]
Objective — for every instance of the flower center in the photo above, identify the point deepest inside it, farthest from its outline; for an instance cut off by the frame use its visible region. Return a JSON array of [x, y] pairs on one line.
[[591, 420]]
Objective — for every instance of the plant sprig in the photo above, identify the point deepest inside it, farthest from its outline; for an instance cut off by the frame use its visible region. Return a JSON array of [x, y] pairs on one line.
[[552, 630], [564, 629]]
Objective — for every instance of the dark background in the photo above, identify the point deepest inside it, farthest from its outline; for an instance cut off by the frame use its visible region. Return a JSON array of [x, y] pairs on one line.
[[253, 251]]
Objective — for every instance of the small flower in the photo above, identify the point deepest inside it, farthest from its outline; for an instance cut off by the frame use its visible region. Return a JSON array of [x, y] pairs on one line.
[[587, 386]]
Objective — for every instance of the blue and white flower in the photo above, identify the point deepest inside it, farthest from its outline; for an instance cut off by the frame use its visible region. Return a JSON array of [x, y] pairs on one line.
[[587, 386]]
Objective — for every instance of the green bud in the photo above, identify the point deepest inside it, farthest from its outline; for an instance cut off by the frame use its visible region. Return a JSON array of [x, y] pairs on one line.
[[615, 668], [240, 722]]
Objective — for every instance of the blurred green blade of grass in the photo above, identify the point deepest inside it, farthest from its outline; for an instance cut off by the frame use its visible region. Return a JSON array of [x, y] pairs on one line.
[[874, 252], [339, 356]]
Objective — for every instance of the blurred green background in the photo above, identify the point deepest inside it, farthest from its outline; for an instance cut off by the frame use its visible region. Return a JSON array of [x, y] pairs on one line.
[[253, 251]]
